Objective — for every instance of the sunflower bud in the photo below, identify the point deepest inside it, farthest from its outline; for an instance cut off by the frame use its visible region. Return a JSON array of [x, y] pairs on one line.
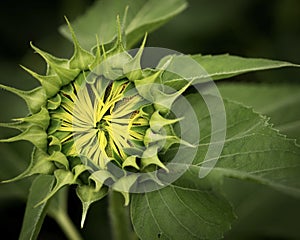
[[95, 112]]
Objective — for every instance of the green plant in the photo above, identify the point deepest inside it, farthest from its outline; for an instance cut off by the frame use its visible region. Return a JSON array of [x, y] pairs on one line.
[[85, 106]]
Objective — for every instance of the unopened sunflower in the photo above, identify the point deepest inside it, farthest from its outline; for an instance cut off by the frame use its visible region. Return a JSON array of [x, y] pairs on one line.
[[96, 120]]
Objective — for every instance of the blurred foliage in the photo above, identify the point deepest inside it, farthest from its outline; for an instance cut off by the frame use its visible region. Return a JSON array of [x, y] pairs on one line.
[[250, 28]]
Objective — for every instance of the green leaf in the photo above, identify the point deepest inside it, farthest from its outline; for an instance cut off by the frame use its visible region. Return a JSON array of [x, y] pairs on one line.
[[225, 66], [280, 102], [252, 149], [119, 218], [142, 16], [34, 216], [187, 209], [207, 68]]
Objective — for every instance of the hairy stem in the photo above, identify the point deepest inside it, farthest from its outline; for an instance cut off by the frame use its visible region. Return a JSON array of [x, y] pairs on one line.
[[119, 218], [67, 226]]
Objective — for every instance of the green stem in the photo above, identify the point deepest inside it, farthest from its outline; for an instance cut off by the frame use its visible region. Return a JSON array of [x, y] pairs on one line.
[[119, 218], [67, 226]]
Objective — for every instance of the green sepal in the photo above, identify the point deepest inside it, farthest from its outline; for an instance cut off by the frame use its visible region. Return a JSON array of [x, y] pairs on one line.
[[54, 144], [120, 43], [79, 169], [152, 137], [148, 86], [157, 121], [59, 158], [133, 151], [59, 66], [112, 66], [130, 162], [150, 158], [69, 148], [98, 57], [54, 102], [133, 69], [55, 124], [152, 176], [114, 60], [168, 142], [99, 177], [51, 83], [163, 101], [34, 99], [146, 111], [81, 58], [63, 178], [22, 126], [40, 119], [88, 195], [36, 135], [39, 165], [123, 186]]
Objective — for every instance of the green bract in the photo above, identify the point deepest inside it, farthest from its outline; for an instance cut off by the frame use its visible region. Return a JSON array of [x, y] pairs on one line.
[[97, 108]]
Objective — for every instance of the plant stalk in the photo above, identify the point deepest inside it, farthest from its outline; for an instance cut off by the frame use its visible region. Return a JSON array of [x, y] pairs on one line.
[[67, 226], [120, 218]]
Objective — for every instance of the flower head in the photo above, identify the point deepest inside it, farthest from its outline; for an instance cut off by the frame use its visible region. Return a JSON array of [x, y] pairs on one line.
[[97, 118]]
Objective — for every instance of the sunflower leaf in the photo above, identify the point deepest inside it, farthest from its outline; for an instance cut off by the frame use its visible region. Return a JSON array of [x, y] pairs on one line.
[[34, 216], [142, 16]]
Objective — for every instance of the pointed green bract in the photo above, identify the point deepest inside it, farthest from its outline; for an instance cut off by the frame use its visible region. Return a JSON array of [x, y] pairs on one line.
[[81, 58], [51, 83], [123, 186], [59, 66], [39, 165], [131, 161], [62, 178], [89, 195], [40, 119], [133, 67], [60, 158], [34, 99], [34, 134], [22, 126], [157, 121], [79, 169]]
